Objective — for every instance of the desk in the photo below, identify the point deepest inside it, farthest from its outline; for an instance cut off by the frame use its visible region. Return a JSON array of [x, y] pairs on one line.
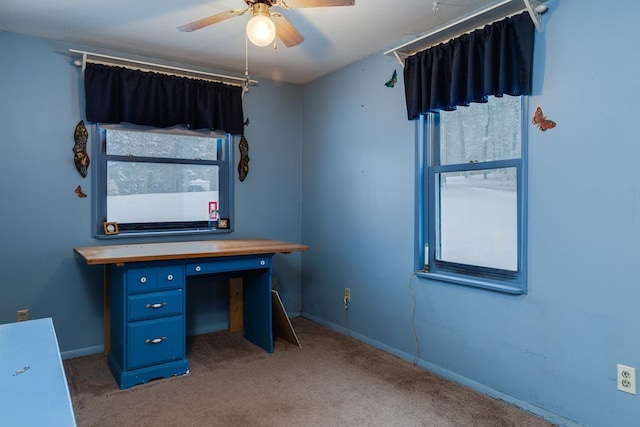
[[33, 387], [145, 298]]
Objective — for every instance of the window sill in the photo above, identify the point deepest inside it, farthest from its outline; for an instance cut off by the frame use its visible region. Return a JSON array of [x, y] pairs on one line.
[[514, 289], [125, 235]]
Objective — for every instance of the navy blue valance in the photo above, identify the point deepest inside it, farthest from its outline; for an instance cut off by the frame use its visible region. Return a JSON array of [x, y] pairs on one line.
[[495, 60], [116, 94]]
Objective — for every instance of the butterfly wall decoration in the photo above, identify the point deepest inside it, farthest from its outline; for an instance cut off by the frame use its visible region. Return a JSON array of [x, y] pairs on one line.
[[394, 79], [79, 192], [541, 121]]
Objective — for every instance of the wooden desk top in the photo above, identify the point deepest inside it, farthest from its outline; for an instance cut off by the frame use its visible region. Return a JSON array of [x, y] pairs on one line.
[[120, 254]]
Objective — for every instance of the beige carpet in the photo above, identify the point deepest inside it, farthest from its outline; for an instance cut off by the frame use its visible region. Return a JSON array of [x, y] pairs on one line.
[[332, 380]]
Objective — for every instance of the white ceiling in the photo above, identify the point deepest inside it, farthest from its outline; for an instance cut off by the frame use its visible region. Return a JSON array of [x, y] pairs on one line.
[[334, 36]]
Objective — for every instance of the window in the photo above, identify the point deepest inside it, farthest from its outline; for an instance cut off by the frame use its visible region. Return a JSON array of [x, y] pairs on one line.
[[163, 180], [473, 195]]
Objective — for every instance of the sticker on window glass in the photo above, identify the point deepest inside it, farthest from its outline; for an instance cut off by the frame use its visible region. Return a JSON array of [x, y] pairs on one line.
[[213, 211]]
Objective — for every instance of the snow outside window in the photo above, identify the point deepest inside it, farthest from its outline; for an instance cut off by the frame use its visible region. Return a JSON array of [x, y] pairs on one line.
[[163, 180], [474, 195]]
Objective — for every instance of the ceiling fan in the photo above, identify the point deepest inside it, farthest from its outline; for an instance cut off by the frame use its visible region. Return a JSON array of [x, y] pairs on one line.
[[265, 24]]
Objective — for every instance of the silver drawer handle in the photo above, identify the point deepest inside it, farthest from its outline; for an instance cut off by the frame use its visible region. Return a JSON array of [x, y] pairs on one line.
[[262, 262], [143, 280], [198, 268], [155, 340], [156, 305], [170, 277]]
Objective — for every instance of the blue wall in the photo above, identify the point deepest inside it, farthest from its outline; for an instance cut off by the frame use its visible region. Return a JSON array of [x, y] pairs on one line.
[[43, 219], [555, 350], [333, 166]]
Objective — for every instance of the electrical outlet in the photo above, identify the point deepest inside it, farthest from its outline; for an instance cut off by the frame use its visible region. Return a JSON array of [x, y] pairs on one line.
[[347, 298], [22, 315], [347, 295], [626, 379]]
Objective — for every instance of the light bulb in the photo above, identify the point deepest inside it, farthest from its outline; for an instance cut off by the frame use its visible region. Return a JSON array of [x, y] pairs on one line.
[[261, 30]]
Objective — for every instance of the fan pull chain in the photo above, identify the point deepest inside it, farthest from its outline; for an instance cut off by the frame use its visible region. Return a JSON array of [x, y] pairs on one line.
[[247, 82]]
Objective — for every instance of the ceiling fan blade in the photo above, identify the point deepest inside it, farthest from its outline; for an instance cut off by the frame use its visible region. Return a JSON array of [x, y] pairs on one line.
[[294, 4], [285, 31], [210, 20]]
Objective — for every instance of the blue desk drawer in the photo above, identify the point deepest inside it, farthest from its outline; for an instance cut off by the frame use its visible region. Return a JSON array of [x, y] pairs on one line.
[[154, 278], [155, 341], [155, 304], [227, 264]]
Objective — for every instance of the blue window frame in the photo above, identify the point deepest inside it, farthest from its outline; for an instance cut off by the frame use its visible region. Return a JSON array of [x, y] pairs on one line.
[[472, 195], [154, 181]]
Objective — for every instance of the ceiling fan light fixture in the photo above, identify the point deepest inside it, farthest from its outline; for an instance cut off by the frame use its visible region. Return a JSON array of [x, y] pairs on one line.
[[260, 29]]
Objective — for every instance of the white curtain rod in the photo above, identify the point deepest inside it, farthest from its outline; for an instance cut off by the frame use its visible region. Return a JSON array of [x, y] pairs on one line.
[[166, 69], [531, 6]]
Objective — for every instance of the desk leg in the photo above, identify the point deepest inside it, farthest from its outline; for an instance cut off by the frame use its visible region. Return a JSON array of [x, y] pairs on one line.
[[107, 309], [258, 319], [235, 304]]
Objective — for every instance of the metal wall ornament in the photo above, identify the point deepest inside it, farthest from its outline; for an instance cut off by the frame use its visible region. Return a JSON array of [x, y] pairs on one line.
[[81, 158], [243, 164]]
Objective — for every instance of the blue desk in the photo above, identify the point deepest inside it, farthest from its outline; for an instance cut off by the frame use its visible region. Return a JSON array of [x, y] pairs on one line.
[[33, 386], [145, 286]]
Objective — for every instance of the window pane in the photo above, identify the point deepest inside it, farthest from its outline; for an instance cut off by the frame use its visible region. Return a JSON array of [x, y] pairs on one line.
[[154, 144], [160, 192], [477, 215], [481, 132]]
